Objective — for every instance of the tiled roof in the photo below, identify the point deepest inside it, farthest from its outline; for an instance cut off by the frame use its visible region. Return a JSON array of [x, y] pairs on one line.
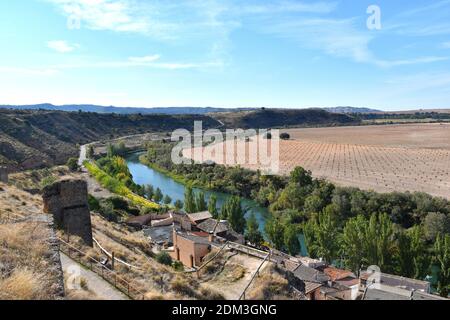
[[337, 274], [200, 216], [376, 294], [400, 282], [311, 286], [212, 225], [305, 273]]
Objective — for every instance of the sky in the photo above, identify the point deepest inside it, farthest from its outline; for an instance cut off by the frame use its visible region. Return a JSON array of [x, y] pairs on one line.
[[383, 54]]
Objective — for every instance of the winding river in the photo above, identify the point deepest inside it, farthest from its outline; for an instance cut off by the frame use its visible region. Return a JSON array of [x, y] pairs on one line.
[[145, 175]]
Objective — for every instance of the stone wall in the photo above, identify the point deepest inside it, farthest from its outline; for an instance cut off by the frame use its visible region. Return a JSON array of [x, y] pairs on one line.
[[67, 201]]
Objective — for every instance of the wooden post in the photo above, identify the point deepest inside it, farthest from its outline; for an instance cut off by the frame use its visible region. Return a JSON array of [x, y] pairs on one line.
[[112, 261]]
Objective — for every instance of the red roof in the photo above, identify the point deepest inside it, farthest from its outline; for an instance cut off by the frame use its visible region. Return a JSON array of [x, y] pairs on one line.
[[337, 274]]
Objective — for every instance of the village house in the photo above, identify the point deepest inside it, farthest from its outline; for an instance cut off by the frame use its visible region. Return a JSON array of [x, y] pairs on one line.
[[383, 286]]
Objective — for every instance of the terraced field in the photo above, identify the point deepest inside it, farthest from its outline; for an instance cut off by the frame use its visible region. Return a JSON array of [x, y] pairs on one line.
[[381, 158]]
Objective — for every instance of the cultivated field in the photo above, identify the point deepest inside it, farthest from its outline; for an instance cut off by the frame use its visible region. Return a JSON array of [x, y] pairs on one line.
[[381, 158]]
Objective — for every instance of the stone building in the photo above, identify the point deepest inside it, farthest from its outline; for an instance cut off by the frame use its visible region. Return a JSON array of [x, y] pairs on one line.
[[67, 201]]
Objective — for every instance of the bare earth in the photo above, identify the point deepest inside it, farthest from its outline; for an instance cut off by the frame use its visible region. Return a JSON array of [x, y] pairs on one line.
[[409, 157]]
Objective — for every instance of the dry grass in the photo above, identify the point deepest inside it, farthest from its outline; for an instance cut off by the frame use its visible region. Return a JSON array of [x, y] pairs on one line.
[[27, 268], [23, 284], [270, 285]]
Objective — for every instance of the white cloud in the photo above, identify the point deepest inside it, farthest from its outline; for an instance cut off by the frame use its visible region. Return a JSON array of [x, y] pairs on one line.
[[145, 59], [61, 46]]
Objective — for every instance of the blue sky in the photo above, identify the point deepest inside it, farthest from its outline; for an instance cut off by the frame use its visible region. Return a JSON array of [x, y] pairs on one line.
[[229, 53]]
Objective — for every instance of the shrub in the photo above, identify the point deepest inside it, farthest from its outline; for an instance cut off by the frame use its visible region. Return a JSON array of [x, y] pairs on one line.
[[94, 204], [164, 258], [178, 266], [285, 136], [72, 163]]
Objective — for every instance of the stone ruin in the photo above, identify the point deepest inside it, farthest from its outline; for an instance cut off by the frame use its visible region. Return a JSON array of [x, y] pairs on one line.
[[4, 174], [67, 201]]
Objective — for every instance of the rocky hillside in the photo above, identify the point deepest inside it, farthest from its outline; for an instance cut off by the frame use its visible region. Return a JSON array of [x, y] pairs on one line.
[[34, 139], [271, 118]]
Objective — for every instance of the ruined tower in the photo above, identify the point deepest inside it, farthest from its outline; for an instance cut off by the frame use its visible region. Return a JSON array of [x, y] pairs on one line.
[[67, 201]]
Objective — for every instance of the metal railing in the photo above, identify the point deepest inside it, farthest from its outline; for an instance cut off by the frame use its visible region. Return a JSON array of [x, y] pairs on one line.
[[97, 267]]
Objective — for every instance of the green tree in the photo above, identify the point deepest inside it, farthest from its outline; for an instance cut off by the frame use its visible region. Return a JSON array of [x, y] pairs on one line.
[[442, 257], [212, 206], [149, 191], [72, 163], [412, 255], [200, 202], [353, 239], [322, 236], [158, 196], [301, 177], [252, 233], [90, 152], [275, 233], [436, 223], [178, 205], [291, 242], [189, 201], [167, 200], [233, 212], [380, 242], [110, 150]]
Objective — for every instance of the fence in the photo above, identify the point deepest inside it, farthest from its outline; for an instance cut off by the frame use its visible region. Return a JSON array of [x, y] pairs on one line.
[[97, 267]]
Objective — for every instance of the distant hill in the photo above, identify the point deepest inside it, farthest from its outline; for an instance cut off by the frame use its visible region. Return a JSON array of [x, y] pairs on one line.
[[271, 118], [351, 110], [120, 110]]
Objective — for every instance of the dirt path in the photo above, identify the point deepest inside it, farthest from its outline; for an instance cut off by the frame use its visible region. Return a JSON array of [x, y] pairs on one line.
[[102, 289]]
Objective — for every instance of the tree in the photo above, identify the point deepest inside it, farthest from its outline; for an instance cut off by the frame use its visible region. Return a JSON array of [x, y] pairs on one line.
[[90, 152], [149, 191], [301, 177], [178, 205], [189, 201], [436, 223], [72, 163], [158, 196], [322, 236], [285, 136], [380, 244], [110, 150], [352, 247], [233, 212], [442, 257], [253, 234], [200, 202], [291, 242], [275, 233], [212, 206], [412, 256], [167, 200]]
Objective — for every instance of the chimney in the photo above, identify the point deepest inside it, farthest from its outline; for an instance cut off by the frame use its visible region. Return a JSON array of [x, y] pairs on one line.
[[175, 235], [211, 237]]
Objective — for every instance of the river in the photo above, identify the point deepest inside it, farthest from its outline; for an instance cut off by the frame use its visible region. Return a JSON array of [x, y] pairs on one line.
[[144, 175]]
